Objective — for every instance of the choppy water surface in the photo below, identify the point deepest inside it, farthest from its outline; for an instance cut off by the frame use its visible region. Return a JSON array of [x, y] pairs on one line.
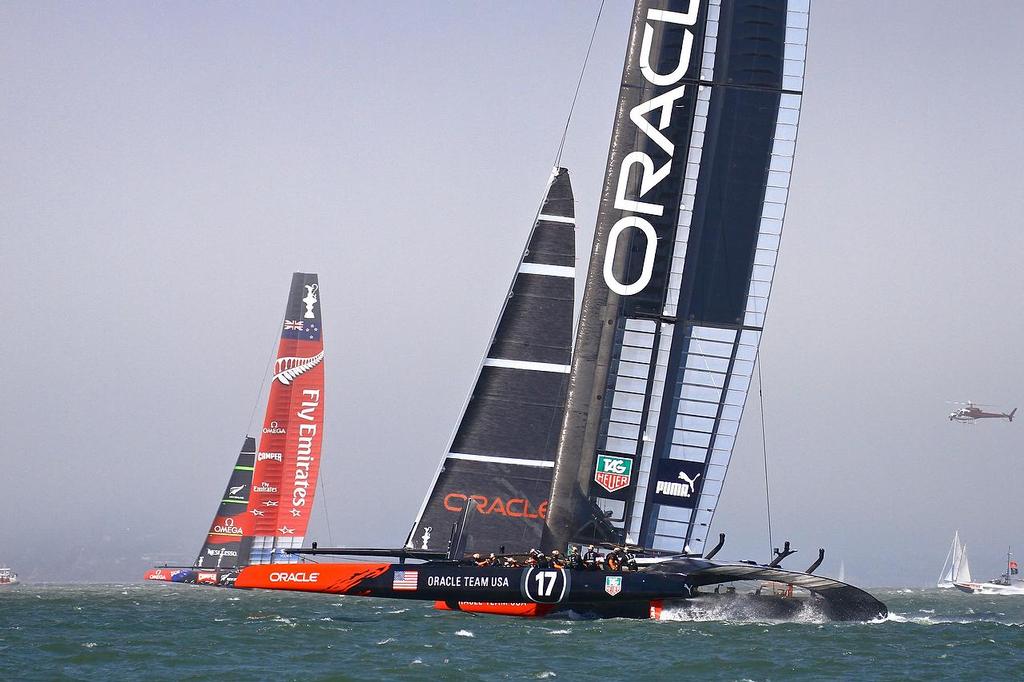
[[187, 632]]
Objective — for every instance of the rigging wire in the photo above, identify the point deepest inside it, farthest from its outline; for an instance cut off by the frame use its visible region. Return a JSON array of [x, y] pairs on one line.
[[558, 158], [583, 70], [323, 504], [764, 451], [266, 373]]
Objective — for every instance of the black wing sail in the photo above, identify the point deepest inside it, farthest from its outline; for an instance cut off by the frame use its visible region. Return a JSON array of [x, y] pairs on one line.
[[496, 473], [683, 258], [225, 545]]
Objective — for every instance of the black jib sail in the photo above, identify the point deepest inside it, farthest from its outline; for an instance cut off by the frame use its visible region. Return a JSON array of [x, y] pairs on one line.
[[225, 545], [684, 253], [495, 476]]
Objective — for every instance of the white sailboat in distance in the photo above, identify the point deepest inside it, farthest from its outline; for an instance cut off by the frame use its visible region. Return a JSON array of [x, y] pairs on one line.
[[955, 569]]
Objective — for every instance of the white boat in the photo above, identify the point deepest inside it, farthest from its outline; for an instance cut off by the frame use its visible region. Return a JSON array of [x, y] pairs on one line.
[[1006, 584], [955, 569], [7, 576]]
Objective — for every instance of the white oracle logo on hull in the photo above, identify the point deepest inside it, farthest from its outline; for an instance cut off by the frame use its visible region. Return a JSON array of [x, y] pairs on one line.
[[649, 176], [294, 577]]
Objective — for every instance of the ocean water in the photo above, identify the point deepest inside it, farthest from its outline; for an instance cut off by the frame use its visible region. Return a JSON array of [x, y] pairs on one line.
[[181, 632]]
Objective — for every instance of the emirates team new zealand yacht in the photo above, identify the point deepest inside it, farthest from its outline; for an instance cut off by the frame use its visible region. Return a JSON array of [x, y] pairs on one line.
[[622, 440], [266, 506]]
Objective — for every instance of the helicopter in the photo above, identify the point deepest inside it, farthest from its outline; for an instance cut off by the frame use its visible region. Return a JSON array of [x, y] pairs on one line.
[[973, 412]]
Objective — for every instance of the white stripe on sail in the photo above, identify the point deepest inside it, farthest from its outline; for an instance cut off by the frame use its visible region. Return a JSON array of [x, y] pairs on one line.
[[556, 218], [553, 270], [523, 364], [503, 460]]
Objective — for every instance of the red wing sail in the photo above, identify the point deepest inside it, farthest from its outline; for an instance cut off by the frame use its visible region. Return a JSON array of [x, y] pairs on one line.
[[288, 457]]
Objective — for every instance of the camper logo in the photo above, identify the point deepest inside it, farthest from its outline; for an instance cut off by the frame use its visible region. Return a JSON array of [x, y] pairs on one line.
[[613, 584], [613, 472]]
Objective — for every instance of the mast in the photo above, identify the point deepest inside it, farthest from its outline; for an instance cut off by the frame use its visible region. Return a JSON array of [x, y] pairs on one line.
[[681, 268], [495, 476], [288, 458]]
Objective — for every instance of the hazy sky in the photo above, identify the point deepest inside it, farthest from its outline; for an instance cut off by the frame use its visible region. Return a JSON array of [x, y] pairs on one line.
[[165, 167]]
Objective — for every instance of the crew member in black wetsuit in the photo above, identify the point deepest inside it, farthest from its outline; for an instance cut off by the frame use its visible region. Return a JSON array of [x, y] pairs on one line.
[[573, 561], [590, 559]]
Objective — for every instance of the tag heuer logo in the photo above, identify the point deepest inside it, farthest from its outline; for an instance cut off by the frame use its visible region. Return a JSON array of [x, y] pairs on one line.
[[613, 472], [613, 585]]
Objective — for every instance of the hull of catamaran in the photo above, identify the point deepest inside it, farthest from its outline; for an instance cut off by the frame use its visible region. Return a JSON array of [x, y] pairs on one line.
[[192, 576], [534, 592]]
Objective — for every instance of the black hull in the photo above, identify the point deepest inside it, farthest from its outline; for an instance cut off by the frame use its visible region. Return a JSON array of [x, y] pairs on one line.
[[545, 591]]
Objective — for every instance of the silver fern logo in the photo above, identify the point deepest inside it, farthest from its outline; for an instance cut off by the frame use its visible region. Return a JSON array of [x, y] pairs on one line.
[[287, 369]]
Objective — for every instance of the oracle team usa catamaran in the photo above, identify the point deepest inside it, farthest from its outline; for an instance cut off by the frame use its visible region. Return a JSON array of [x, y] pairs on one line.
[[266, 505], [627, 443]]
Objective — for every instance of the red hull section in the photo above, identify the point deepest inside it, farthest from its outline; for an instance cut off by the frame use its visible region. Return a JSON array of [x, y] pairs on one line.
[[163, 574], [522, 609], [329, 578]]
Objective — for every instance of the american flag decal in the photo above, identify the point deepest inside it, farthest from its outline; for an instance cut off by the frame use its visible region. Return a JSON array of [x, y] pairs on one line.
[[404, 580]]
